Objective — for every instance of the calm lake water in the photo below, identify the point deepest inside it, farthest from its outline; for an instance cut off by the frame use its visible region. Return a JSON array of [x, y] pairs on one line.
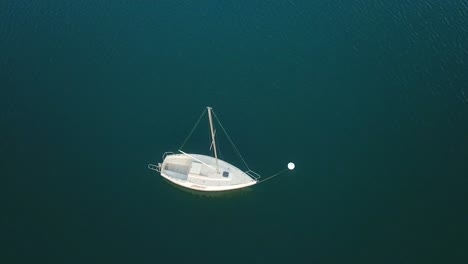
[[368, 98]]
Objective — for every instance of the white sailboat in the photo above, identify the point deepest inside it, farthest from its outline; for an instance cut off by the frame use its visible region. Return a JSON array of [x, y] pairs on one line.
[[202, 172], [207, 173]]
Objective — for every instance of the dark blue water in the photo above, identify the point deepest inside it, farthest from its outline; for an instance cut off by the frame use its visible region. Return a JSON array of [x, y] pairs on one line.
[[368, 98]]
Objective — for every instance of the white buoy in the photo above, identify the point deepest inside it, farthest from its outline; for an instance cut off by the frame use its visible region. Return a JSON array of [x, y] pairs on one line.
[[291, 166]]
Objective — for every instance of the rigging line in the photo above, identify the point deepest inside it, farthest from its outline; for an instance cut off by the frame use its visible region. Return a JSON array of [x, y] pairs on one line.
[[230, 140], [218, 148], [210, 139], [193, 129], [272, 176]]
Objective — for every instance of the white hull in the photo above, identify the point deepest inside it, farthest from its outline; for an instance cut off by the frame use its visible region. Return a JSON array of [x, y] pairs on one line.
[[206, 188], [198, 172]]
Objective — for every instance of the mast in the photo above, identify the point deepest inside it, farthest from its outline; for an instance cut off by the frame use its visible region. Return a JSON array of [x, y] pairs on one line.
[[213, 138]]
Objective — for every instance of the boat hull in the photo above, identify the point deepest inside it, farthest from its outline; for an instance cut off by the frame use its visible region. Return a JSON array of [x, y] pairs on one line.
[[198, 172]]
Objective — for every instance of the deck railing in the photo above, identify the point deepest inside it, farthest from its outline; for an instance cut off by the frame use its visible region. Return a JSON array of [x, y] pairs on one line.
[[253, 174]]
